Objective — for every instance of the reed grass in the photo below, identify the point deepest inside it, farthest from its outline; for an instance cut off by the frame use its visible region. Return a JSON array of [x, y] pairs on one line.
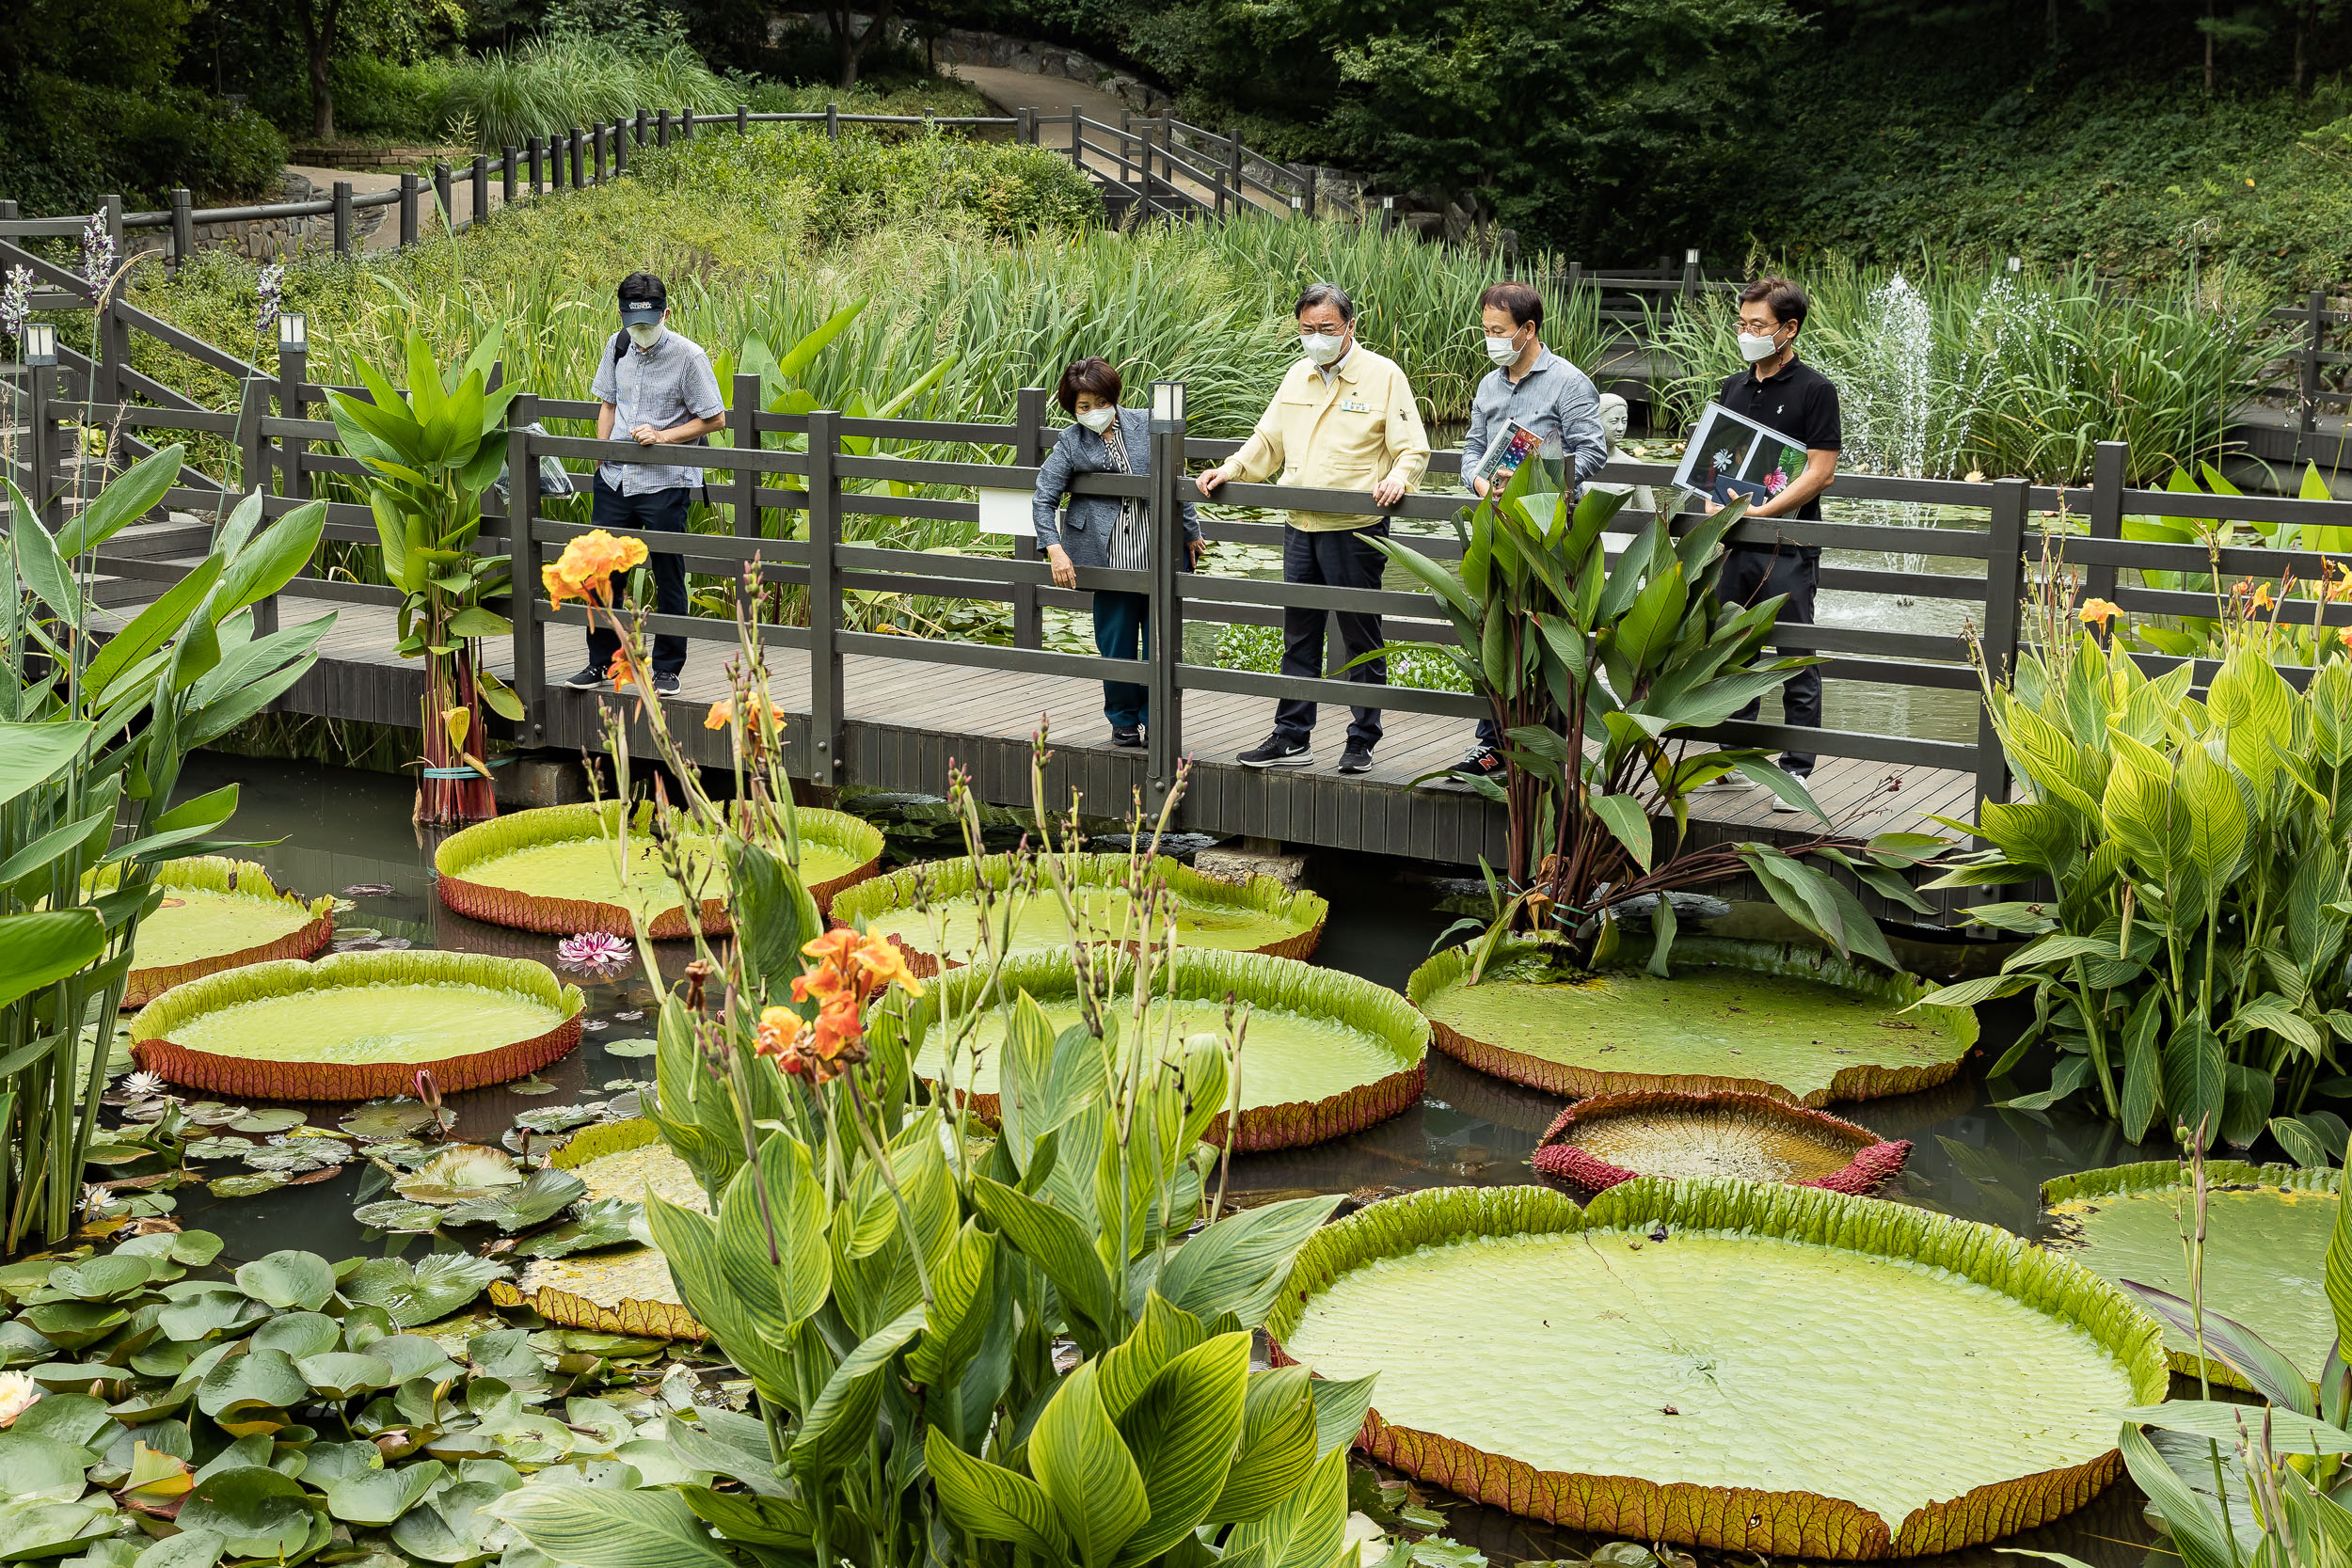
[[1945, 371]]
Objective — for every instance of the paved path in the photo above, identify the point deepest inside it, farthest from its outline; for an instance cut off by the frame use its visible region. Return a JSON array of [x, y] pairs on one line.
[[385, 235], [1009, 89]]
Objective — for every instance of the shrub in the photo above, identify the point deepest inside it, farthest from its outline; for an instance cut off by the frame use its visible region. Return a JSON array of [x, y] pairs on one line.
[[569, 79], [68, 142]]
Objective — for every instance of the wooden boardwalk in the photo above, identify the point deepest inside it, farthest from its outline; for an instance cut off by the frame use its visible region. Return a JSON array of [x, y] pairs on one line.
[[904, 723]]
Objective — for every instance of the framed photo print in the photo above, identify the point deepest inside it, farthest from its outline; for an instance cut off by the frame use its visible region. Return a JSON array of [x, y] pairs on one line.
[[1729, 456]]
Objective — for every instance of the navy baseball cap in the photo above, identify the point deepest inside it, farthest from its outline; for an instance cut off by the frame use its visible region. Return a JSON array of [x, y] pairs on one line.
[[642, 299]]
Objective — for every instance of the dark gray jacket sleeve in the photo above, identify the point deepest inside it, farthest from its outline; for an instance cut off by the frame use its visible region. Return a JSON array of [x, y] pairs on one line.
[[1053, 482]]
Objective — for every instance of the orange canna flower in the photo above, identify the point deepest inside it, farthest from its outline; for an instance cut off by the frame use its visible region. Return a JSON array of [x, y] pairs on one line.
[[778, 1028], [824, 983], [622, 673], [2344, 636], [884, 962], [2261, 596], [584, 571], [722, 714], [835, 948], [2099, 612]]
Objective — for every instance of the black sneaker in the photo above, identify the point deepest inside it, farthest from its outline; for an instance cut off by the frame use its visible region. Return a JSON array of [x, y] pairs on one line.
[[1128, 735], [587, 680], [1356, 759], [1278, 753], [665, 685], [1485, 763]]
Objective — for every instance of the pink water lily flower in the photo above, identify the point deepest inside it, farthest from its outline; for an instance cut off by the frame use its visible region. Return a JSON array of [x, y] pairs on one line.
[[593, 952]]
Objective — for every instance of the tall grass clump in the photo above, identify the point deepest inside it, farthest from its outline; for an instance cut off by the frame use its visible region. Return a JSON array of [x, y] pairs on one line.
[[1943, 372], [575, 78]]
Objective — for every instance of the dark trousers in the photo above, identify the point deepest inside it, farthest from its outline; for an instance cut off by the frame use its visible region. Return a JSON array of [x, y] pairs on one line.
[[1751, 576], [1122, 630], [1343, 558], [657, 512]]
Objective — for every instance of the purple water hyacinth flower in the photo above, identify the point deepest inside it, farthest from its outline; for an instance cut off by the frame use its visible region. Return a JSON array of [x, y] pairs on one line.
[[16, 302], [594, 952], [98, 252], [270, 286]]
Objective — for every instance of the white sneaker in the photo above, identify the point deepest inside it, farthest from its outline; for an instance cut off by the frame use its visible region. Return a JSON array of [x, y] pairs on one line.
[[1790, 807], [1725, 783]]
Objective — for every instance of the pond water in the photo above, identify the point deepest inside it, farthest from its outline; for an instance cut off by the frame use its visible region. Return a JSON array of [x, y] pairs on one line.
[[345, 829]]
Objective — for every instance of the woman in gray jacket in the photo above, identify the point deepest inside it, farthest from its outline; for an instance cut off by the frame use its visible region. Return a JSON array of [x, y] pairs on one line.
[[1104, 531]]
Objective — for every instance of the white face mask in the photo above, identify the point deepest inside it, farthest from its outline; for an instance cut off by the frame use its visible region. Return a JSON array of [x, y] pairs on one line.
[[1320, 347], [1097, 420], [1503, 351], [1752, 348], [645, 335]]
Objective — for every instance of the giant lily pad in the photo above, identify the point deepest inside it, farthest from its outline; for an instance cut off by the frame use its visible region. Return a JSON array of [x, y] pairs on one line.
[[558, 869], [1324, 1055], [1610, 1138], [627, 1290], [2266, 1230], [1745, 1017], [1743, 1366], [1261, 916], [218, 914], [355, 1025]]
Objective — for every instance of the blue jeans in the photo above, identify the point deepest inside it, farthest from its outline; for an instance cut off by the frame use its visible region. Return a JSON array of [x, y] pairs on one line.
[[1122, 631], [656, 511]]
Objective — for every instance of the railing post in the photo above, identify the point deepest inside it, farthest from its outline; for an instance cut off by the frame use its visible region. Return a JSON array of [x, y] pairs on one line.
[[743, 420], [742, 119], [342, 217], [480, 188], [183, 227], [620, 147], [686, 123], [113, 349], [644, 119], [1165, 632], [441, 197], [577, 146], [2004, 607], [2307, 424], [1077, 144], [407, 210], [2107, 464], [41, 447], [292, 370], [833, 121], [1028, 451], [661, 129], [1233, 167], [1689, 276], [1307, 174], [253, 450], [1025, 125], [596, 154], [824, 596], [506, 175], [530, 637], [537, 155]]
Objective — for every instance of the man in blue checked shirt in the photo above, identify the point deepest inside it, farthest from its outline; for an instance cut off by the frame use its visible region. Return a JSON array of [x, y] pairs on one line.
[[1534, 388]]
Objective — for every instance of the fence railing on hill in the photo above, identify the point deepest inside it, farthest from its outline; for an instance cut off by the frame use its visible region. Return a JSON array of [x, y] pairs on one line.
[[786, 511]]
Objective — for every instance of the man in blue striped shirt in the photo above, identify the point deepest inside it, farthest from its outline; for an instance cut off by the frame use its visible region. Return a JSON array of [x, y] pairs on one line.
[[1534, 388]]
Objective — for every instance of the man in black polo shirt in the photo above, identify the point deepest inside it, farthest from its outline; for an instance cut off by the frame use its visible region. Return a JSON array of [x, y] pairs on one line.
[[1786, 395]]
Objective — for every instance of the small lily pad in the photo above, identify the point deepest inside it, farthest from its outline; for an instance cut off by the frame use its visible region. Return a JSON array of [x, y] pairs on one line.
[[629, 1048], [219, 1147], [605, 1222], [389, 1118], [246, 1186], [398, 1214], [547, 1194], [534, 1084], [275, 1120], [211, 1113], [433, 1288], [558, 1118]]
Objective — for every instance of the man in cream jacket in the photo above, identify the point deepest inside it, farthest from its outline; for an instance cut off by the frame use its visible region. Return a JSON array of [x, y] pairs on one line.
[[1345, 420]]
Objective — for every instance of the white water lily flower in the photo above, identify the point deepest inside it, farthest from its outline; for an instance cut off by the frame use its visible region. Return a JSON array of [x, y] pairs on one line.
[[97, 1202], [142, 1085], [18, 1394]]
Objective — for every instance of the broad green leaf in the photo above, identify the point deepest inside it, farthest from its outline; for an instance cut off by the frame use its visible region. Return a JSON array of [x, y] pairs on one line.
[[2272, 1375], [1306, 1529], [840, 1423], [32, 754], [1086, 1472], [591, 1528], [271, 560], [1182, 1433], [1623, 815], [256, 1512], [1238, 1264], [151, 628], [288, 1279], [990, 1501], [130, 496], [40, 949], [1055, 1241]]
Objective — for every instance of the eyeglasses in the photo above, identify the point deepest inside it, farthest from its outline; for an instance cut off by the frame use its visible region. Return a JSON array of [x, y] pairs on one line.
[[1760, 329]]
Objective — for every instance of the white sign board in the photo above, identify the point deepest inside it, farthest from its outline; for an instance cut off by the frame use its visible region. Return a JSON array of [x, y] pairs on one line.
[[1008, 511]]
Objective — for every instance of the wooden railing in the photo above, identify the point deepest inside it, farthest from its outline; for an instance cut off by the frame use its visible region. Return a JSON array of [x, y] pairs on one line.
[[787, 511]]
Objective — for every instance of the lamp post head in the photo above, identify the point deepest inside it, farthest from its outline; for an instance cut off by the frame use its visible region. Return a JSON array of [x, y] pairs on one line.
[[41, 343], [294, 333]]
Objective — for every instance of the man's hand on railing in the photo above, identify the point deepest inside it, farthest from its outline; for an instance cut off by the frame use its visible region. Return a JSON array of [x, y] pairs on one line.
[[1209, 480], [1388, 491]]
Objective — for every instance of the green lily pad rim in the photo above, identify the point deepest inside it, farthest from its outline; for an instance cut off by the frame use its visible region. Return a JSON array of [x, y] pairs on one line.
[[2152, 1176], [1257, 978], [953, 878], [234, 879], [1792, 960], [1778, 1524]]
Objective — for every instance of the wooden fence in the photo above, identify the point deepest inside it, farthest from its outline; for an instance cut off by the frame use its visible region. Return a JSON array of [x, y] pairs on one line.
[[786, 512]]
